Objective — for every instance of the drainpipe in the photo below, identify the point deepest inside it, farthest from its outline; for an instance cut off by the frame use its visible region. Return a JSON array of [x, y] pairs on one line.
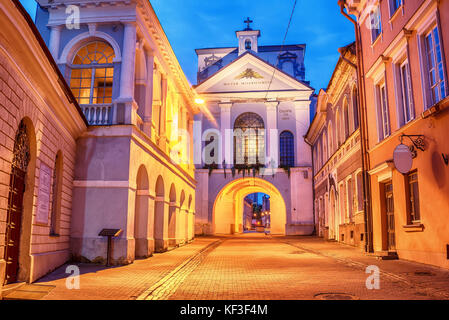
[[363, 132]]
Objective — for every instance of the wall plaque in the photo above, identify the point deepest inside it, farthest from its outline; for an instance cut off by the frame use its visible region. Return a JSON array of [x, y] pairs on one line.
[[43, 196]]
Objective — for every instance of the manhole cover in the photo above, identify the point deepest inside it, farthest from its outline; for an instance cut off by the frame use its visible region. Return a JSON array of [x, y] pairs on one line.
[[335, 296], [424, 273]]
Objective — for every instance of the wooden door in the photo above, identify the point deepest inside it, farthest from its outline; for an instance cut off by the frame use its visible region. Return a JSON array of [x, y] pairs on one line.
[[14, 221], [389, 206]]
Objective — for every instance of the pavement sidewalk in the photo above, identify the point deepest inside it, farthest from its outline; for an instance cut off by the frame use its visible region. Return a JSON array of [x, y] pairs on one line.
[[431, 279], [120, 283]]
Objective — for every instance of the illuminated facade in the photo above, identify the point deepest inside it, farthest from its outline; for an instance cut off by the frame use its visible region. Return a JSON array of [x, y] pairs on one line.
[[252, 136], [40, 123], [134, 168], [404, 49], [335, 136]]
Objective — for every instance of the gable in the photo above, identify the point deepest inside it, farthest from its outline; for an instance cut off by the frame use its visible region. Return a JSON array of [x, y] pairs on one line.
[[250, 74]]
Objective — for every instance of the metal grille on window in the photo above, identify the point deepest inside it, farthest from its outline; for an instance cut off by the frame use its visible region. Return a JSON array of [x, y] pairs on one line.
[[249, 139], [287, 150], [21, 156]]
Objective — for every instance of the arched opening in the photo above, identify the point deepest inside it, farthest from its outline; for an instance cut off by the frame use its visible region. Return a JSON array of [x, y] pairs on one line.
[[20, 204], [91, 80], [249, 140], [160, 244], [55, 216], [346, 119], [256, 213], [183, 218], [355, 107], [141, 221], [248, 44], [228, 212], [333, 215], [172, 217]]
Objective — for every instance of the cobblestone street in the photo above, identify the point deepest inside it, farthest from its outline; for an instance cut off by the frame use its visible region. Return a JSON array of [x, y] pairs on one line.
[[254, 267]]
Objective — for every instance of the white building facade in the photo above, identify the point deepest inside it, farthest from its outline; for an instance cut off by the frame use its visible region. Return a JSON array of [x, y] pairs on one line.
[[257, 111], [137, 100]]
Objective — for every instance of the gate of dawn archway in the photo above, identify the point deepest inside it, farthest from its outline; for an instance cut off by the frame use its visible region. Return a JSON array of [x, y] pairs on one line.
[[227, 216]]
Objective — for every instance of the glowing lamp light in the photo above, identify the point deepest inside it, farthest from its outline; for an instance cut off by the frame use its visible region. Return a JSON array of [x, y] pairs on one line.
[[199, 101]]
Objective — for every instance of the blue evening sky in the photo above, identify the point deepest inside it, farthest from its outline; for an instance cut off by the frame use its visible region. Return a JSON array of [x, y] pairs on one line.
[[192, 24]]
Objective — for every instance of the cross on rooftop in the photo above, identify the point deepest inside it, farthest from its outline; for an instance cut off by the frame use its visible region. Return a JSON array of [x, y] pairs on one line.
[[248, 21]]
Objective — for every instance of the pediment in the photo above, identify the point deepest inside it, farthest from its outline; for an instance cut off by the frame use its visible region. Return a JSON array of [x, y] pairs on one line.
[[249, 73]]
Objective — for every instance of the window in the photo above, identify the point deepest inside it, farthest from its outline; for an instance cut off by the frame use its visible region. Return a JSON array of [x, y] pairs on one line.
[[355, 108], [394, 6], [92, 73], [350, 200], [413, 198], [56, 196], [325, 147], [287, 149], [248, 44], [249, 139], [436, 88], [331, 139], [375, 24], [211, 147], [405, 104], [338, 130], [359, 192], [382, 112], [345, 120]]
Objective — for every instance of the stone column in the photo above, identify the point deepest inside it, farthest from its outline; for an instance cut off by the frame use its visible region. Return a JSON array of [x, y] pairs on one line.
[[128, 62], [147, 114], [163, 113], [271, 134], [226, 133], [55, 39]]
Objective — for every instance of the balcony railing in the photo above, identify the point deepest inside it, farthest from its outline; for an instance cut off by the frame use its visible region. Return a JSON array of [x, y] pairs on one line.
[[98, 114]]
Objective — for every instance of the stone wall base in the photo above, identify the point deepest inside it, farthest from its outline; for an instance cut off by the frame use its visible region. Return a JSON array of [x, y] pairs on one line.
[[299, 229]]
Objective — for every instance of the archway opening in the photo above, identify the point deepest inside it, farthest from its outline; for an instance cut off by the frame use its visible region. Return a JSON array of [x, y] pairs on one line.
[[159, 217], [141, 223], [256, 213], [229, 207]]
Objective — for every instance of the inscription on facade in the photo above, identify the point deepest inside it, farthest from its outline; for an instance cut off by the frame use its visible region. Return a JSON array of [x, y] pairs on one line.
[[43, 206], [285, 114]]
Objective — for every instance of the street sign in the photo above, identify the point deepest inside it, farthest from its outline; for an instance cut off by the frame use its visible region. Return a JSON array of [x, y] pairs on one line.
[[403, 158]]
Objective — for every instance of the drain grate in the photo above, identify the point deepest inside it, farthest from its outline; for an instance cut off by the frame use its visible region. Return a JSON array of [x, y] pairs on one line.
[[335, 296]]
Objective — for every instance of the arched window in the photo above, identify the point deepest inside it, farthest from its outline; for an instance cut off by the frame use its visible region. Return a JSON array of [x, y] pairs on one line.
[[287, 149], [355, 107], [330, 130], [248, 44], [249, 139], [338, 136], [345, 119], [92, 73], [56, 196], [325, 146]]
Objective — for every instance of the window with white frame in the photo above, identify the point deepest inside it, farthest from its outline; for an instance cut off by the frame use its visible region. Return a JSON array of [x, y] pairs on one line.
[[375, 24], [383, 117], [394, 6], [350, 200], [404, 92], [434, 67], [359, 179]]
